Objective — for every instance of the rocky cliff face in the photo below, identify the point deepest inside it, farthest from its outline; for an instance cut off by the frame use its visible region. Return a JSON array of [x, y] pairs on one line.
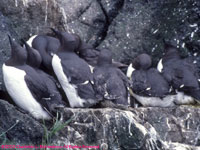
[[127, 27], [109, 128]]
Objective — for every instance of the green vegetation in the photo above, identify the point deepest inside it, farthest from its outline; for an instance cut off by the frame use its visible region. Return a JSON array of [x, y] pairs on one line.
[[57, 126], [48, 133]]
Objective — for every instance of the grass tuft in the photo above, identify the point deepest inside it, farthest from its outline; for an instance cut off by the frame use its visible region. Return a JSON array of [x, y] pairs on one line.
[[57, 126]]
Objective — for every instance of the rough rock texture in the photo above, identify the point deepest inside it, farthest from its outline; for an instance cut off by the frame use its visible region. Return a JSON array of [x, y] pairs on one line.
[[30, 16], [20, 128], [175, 124], [142, 128], [127, 27], [4, 46], [112, 129], [142, 25]]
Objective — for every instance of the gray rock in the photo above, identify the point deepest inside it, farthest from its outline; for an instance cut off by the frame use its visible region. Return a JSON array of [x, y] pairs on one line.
[[125, 34], [4, 48], [86, 18], [89, 19], [127, 27], [109, 128], [178, 124], [141, 26], [31, 17], [20, 128], [142, 128], [113, 128], [5, 29]]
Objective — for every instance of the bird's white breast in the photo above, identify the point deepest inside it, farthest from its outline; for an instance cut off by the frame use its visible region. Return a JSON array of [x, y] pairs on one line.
[[160, 66], [30, 40], [69, 89], [21, 95], [91, 69], [183, 99], [130, 71], [167, 101]]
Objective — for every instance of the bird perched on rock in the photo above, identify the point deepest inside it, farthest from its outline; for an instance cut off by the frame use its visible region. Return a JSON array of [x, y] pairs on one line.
[[90, 55], [109, 82], [46, 46], [180, 73], [25, 85], [34, 60], [149, 87], [73, 73]]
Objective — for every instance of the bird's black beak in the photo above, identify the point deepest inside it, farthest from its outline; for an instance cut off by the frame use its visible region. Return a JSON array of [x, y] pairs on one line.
[[26, 44], [12, 43], [10, 39], [119, 64], [55, 31]]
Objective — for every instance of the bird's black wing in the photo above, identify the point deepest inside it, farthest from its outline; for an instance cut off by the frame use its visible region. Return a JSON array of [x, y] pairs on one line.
[[40, 44], [50, 82], [159, 86], [38, 88], [184, 78], [125, 79], [77, 71], [140, 83]]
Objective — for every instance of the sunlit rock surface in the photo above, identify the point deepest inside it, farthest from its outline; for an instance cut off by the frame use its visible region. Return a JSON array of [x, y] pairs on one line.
[[109, 128], [178, 124]]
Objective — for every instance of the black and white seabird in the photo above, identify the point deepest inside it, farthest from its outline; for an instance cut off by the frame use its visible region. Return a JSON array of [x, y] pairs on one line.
[[109, 82], [46, 46], [180, 73], [149, 86], [23, 83], [73, 72], [34, 60], [90, 55]]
